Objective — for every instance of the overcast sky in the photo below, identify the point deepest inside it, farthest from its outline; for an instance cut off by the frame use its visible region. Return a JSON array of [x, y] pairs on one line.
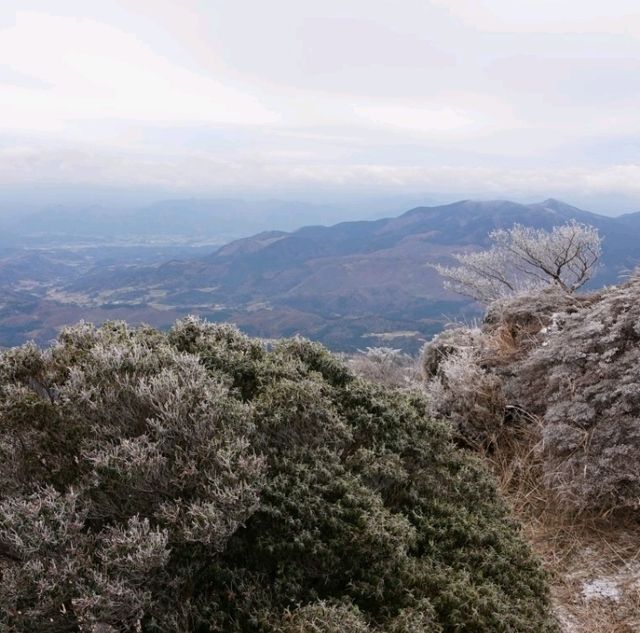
[[494, 98]]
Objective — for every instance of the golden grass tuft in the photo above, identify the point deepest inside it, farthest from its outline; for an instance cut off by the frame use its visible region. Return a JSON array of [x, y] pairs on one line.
[[583, 553]]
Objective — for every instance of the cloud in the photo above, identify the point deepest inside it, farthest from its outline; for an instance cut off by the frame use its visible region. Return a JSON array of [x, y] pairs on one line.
[[426, 119], [618, 17], [207, 173], [479, 96], [96, 71]]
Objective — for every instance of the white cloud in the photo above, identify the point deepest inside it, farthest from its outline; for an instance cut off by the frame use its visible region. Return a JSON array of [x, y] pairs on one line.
[[94, 71], [618, 17], [206, 172], [509, 95], [428, 119]]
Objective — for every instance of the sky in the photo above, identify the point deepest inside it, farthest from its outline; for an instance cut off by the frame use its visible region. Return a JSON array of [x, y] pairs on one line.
[[448, 99]]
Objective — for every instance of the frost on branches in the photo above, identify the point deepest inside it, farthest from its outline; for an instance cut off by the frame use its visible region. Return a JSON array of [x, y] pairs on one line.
[[523, 259], [197, 480], [385, 366]]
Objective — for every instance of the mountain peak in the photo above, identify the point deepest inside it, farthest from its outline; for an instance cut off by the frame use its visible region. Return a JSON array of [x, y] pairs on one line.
[[552, 201], [567, 211], [555, 204]]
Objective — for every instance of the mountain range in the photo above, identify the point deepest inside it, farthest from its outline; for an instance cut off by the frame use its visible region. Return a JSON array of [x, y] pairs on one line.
[[350, 285], [174, 220]]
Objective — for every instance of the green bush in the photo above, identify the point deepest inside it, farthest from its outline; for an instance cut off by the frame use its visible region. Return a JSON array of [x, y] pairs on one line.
[[198, 481]]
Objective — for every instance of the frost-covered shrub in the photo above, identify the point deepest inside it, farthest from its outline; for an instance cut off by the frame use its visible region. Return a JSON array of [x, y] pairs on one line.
[[460, 389], [386, 366], [323, 618], [584, 381], [115, 446], [196, 481], [445, 344]]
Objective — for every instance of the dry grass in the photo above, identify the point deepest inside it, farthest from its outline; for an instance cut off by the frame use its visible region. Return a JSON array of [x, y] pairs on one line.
[[503, 343], [508, 342], [593, 561]]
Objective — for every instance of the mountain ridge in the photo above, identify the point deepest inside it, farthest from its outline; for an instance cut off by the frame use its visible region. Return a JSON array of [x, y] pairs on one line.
[[350, 285]]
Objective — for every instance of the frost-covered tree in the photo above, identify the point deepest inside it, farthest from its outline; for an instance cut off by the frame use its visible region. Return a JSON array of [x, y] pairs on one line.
[[523, 259]]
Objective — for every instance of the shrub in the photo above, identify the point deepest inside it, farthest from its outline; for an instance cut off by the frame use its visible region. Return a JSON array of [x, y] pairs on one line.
[[323, 618], [386, 366], [196, 481], [445, 344], [583, 381], [460, 389]]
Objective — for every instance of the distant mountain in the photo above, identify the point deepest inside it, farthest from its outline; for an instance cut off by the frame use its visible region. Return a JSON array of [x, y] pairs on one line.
[[191, 218], [630, 219], [350, 285]]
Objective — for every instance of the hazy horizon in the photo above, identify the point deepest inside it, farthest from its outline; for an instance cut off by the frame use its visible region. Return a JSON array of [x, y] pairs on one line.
[[16, 201], [337, 103]]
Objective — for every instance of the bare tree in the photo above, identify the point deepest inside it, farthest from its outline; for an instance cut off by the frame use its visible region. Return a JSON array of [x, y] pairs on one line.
[[523, 258]]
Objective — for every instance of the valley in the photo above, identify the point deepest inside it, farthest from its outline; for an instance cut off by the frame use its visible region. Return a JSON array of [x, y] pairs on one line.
[[350, 286]]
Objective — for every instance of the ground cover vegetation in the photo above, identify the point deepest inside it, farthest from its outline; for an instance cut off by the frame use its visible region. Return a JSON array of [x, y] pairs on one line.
[[198, 480]]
